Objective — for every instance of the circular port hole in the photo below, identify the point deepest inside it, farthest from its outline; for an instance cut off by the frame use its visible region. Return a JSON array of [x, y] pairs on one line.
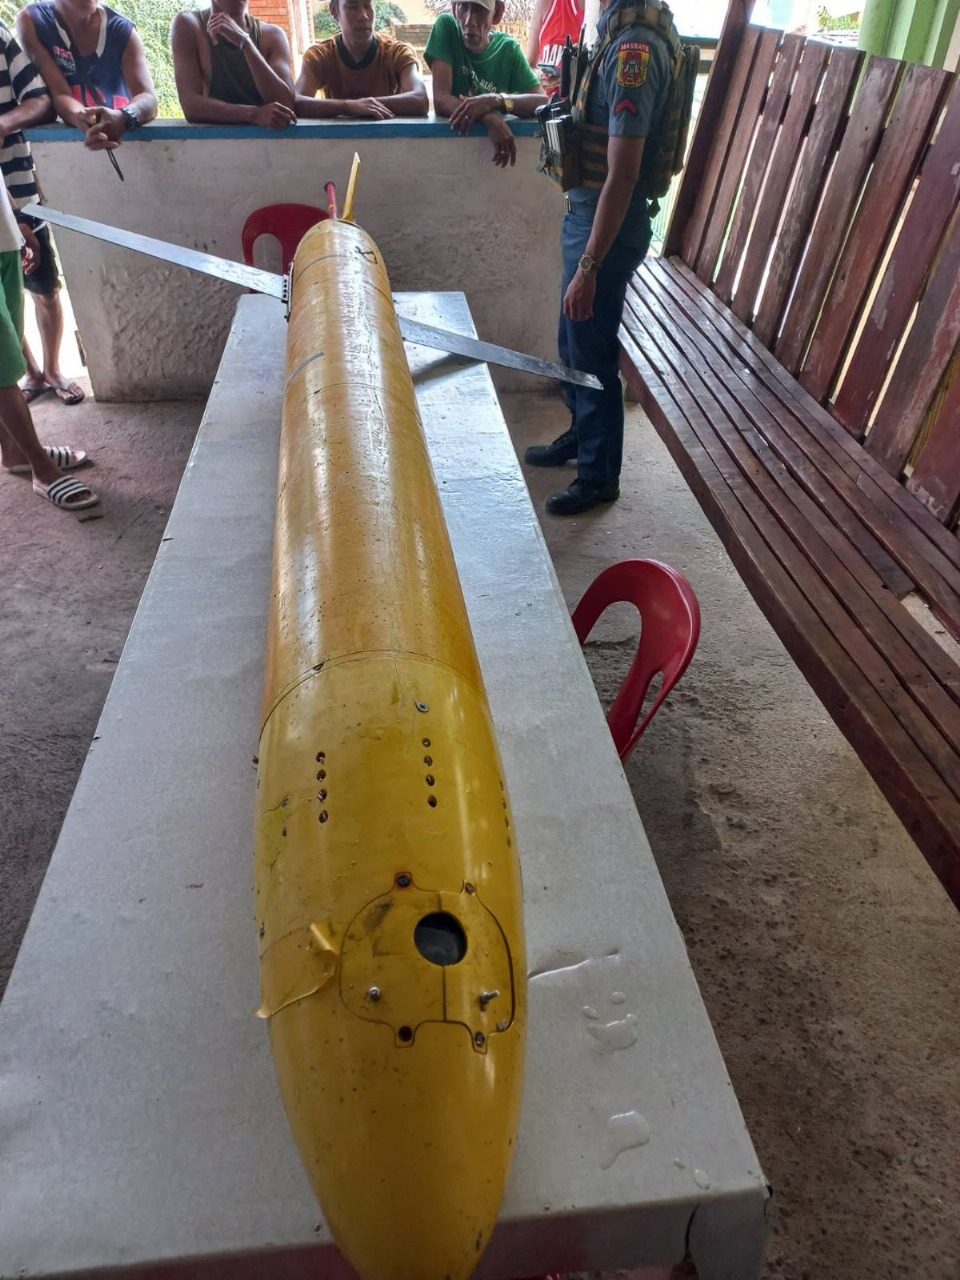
[[405, 1034], [440, 938]]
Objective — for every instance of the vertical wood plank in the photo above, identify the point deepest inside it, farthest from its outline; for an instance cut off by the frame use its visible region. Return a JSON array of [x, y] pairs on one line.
[[838, 84], [729, 114], [936, 472], [693, 181], [925, 355], [840, 199], [738, 150], [905, 137], [934, 201], [780, 173]]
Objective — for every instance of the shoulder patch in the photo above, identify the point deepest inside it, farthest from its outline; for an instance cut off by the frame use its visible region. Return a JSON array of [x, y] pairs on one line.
[[633, 61]]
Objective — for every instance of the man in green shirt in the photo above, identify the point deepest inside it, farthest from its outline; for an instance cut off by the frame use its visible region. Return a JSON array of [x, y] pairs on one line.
[[481, 75]]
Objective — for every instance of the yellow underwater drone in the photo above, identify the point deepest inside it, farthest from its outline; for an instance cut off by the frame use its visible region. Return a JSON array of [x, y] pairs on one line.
[[389, 901]]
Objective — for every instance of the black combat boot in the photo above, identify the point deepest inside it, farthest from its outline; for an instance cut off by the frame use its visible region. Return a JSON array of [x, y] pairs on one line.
[[581, 496], [561, 450]]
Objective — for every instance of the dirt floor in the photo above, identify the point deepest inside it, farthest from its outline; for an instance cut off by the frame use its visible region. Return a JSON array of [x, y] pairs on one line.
[[826, 952]]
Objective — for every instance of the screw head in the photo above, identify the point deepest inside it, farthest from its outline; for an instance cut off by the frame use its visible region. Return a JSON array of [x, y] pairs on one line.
[[479, 1039], [422, 706], [404, 880], [373, 993]]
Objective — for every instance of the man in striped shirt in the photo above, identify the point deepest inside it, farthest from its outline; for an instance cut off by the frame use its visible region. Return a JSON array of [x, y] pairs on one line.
[[25, 102]]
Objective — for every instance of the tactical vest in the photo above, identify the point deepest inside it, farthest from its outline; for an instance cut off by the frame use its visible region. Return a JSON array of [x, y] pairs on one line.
[[574, 151]]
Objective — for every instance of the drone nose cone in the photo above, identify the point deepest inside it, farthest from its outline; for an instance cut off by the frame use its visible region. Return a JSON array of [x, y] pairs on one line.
[[410, 1168]]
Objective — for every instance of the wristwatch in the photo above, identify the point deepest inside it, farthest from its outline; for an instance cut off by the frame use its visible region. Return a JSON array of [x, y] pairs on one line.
[[131, 120], [588, 264], [506, 104]]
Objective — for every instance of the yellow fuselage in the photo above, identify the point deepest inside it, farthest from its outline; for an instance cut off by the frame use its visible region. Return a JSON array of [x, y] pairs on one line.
[[389, 901]]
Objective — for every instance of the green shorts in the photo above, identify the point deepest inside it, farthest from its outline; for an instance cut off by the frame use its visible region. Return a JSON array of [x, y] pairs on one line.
[[12, 363]]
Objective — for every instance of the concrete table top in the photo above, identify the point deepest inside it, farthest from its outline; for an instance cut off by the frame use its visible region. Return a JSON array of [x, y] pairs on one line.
[[140, 1124]]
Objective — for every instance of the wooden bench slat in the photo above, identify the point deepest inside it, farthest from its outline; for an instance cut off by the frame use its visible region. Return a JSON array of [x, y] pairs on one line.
[[904, 139], [936, 473], [764, 140], [699, 217], [928, 553], [840, 199], [838, 85], [926, 355], [692, 186], [926, 220], [743, 144], [811, 465], [925, 804], [779, 178], [768, 459]]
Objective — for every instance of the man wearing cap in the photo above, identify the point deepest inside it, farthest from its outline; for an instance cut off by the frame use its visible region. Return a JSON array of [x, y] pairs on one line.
[[481, 75], [606, 233]]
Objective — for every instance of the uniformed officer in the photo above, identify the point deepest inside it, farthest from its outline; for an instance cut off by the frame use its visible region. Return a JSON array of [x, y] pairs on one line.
[[606, 233]]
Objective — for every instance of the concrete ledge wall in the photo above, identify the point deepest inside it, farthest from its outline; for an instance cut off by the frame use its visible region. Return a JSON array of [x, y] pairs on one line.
[[443, 215]]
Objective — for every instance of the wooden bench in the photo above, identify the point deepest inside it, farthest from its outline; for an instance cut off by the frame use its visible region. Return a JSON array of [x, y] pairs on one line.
[[796, 347]]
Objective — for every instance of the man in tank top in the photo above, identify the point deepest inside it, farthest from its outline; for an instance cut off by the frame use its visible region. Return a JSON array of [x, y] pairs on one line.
[[231, 68], [360, 72], [94, 65]]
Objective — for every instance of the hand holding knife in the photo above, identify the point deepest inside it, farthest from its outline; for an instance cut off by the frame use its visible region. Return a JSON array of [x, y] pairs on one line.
[[94, 119]]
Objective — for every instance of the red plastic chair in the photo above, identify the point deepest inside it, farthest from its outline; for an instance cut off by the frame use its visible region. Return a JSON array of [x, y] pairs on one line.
[[669, 631], [287, 223]]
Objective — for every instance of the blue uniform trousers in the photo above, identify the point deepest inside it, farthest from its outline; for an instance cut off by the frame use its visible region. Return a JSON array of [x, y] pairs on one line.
[[591, 346]]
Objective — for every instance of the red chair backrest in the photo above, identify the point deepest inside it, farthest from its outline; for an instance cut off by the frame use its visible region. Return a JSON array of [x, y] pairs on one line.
[[288, 223], [669, 631]]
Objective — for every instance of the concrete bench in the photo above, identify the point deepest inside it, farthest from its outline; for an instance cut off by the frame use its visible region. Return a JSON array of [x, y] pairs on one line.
[[141, 1123]]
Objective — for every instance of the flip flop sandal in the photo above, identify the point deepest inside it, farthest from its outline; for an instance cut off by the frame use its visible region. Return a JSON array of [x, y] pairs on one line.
[[60, 455], [34, 393], [62, 490], [72, 393]]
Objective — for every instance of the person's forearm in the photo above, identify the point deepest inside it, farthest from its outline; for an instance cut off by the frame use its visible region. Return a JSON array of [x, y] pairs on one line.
[[525, 104], [611, 210], [201, 110], [534, 32], [270, 86], [414, 103], [28, 114], [69, 109], [445, 104], [145, 105], [308, 108]]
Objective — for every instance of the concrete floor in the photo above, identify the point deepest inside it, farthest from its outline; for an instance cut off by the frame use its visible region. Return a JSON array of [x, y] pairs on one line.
[[826, 952]]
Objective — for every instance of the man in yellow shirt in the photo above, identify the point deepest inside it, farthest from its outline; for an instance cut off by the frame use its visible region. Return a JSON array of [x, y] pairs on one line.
[[360, 72]]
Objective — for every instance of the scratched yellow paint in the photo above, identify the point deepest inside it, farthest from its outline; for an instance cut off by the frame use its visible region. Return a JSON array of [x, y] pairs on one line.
[[380, 804]]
